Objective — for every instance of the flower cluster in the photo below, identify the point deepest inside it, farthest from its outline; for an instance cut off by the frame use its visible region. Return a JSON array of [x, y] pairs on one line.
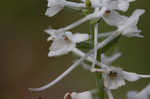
[[64, 42]]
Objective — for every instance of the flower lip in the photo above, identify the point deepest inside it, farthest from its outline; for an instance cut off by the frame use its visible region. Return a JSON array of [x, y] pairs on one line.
[[68, 96], [107, 12], [66, 39], [112, 74]]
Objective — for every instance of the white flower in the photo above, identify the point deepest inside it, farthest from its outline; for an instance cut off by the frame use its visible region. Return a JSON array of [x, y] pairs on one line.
[[115, 77], [113, 18], [144, 94], [126, 25], [129, 27], [64, 42], [121, 5], [96, 3], [82, 95], [55, 6]]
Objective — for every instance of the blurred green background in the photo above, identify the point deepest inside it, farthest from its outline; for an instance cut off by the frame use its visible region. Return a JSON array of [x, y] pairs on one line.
[[24, 61]]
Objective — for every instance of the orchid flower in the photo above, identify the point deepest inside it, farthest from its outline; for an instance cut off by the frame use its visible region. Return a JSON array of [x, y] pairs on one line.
[[64, 42], [55, 6], [114, 77], [81, 95]]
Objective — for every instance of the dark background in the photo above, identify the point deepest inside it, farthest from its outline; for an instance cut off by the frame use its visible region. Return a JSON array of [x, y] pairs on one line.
[[24, 61]]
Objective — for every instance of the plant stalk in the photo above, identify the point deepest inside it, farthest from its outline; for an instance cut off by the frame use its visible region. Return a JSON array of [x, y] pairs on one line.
[[99, 79]]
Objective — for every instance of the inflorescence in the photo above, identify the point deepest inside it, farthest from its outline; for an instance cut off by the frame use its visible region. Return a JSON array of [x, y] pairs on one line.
[[64, 41]]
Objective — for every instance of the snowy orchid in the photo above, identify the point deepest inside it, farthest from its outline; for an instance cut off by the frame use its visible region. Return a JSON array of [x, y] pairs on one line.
[[55, 6], [113, 18], [114, 77], [82, 95], [121, 5], [126, 25], [64, 42], [129, 27], [144, 94]]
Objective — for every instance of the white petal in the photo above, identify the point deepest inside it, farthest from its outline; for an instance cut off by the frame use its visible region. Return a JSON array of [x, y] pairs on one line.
[[51, 32], [50, 38], [131, 94], [114, 18], [114, 84], [104, 34], [53, 11], [52, 3], [96, 3], [60, 47], [136, 35], [148, 89], [138, 95], [111, 4], [83, 95], [109, 60], [131, 76], [116, 4], [133, 19], [77, 38], [129, 28], [132, 31], [132, 34], [109, 93], [68, 94], [104, 59], [54, 33], [124, 5], [60, 51], [144, 94], [86, 66], [69, 35], [137, 13], [83, 0]]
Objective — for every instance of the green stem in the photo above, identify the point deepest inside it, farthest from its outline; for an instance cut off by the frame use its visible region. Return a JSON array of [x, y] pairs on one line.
[[99, 79], [100, 86]]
